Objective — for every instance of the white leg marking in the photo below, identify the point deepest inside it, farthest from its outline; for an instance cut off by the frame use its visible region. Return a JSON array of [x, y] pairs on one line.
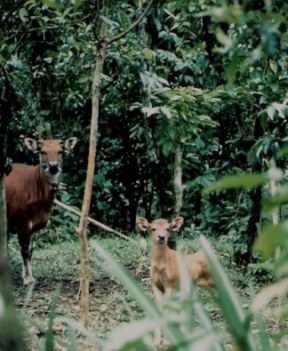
[[27, 267], [27, 273]]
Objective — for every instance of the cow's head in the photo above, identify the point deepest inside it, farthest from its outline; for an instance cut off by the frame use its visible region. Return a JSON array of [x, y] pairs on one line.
[[51, 156]]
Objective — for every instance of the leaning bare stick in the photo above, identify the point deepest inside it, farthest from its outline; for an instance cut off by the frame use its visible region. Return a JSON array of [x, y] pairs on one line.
[[164, 270]]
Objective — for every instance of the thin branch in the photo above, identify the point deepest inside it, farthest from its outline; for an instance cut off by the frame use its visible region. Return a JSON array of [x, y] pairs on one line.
[[133, 25], [92, 221], [81, 230]]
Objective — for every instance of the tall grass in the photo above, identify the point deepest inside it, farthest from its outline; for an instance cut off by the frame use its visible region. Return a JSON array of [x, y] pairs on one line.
[[183, 318]]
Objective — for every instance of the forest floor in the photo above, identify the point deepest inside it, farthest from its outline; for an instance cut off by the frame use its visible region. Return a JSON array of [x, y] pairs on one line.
[[56, 268]]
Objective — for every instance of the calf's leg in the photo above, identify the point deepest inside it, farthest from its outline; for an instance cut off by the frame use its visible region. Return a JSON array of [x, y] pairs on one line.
[[158, 296]]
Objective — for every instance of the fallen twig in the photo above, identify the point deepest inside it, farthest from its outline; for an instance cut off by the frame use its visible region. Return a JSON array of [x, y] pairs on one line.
[[93, 221]]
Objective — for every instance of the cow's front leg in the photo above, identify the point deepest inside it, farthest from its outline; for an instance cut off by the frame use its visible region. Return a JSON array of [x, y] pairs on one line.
[[26, 244]]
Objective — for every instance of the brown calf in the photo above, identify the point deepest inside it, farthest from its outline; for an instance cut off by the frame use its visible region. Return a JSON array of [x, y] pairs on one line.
[[164, 270], [30, 192]]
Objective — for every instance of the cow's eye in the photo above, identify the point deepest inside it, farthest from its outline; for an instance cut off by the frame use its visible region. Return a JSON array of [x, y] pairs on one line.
[[60, 152], [43, 152]]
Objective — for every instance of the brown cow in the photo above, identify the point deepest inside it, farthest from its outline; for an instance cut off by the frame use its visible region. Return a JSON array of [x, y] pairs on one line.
[[30, 192]]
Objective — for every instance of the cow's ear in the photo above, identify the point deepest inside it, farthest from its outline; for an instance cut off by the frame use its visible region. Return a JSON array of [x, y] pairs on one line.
[[31, 144], [176, 223], [70, 144], [143, 224]]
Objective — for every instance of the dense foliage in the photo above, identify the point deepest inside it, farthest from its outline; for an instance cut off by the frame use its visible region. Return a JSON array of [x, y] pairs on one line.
[[199, 87], [210, 76]]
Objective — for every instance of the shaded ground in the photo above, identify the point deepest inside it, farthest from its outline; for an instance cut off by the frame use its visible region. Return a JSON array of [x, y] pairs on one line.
[[57, 267]]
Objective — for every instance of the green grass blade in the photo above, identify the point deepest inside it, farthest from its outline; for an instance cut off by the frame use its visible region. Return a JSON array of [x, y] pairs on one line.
[[49, 337], [129, 333], [135, 290], [189, 293], [82, 330], [35, 338], [264, 338], [206, 323], [229, 301]]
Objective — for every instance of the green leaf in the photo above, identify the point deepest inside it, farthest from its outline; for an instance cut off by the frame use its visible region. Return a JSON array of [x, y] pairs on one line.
[[150, 110], [231, 71], [271, 237], [23, 14], [108, 21], [148, 54], [166, 111], [167, 147], [245, 181], [76, 3], [273, 66], [224, 40], [282, 152], [270, 112], [124, 20], [276, 201], [52, 4], [280, 108]]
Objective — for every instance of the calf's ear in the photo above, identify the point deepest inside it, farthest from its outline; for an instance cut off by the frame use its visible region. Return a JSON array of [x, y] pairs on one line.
[[176, 223], [142, 223], [70, 143], [31, 144]]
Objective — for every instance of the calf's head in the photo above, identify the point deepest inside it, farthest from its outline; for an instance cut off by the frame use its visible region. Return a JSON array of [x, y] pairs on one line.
[[51, 156], [159, 228]]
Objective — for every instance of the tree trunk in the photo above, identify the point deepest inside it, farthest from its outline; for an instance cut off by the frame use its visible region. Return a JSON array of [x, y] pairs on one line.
[[84, 260], [178, 186], [3, 221], [11, 330], [256, 197], [273, 191], [275, 211], [6, 98], [254, 221]]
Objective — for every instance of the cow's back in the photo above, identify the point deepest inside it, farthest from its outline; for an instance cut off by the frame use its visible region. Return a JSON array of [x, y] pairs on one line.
[[28, 197]]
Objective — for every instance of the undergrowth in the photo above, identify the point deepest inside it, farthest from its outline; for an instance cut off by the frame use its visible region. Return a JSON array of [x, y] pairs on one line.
[[56, 266]]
